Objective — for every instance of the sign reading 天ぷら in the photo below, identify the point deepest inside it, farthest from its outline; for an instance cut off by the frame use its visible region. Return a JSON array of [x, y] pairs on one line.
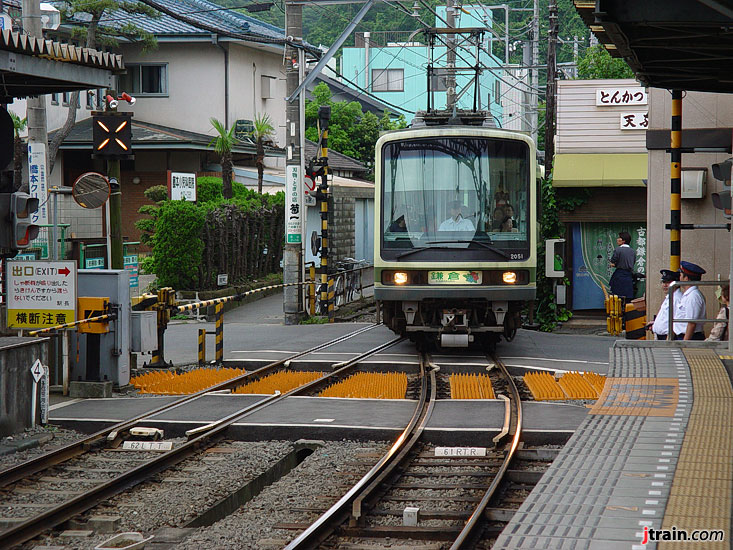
[[41, 294]]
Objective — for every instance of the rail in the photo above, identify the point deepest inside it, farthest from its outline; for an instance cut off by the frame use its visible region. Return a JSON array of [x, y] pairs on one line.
[[70, 508], [671, 292]]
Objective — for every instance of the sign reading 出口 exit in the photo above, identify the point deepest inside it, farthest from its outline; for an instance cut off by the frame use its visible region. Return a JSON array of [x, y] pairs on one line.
[[41, 294]]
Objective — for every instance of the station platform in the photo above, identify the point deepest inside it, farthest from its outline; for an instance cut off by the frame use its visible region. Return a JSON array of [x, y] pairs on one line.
[[652, 462]]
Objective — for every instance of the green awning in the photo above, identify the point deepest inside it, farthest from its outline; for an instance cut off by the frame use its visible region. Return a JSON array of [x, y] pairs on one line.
[[600, 170]]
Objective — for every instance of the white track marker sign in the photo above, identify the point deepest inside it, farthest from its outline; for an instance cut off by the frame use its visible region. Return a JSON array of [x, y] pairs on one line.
[[38, 371]]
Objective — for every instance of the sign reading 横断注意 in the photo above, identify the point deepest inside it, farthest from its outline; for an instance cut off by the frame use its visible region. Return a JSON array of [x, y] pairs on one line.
[[41, 294]]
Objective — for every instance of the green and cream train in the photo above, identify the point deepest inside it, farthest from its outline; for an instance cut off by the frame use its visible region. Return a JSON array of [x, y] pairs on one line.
[[456, 232]]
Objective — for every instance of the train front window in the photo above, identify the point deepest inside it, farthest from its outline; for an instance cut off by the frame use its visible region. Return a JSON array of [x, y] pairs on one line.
[[456, 192]]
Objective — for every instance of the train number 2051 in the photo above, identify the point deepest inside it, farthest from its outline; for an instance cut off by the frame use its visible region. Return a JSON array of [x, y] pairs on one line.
[[519, 256]]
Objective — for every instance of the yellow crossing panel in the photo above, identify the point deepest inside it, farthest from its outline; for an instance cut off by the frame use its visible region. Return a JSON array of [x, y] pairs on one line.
[[543, 386], [282, 381], [370, 385], [471, 386], [170, 383]]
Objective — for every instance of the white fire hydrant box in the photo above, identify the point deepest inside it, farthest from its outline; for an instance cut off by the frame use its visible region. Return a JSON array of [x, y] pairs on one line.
[[409, 516]]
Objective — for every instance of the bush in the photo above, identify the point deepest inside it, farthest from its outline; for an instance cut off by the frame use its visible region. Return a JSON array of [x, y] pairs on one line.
[[178, 248], [208, 189]]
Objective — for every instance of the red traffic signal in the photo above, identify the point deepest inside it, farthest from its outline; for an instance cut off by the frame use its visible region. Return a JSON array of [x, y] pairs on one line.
[[22, 206], [112, 135]]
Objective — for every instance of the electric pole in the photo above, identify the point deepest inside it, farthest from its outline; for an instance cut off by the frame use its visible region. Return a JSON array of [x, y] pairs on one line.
[[292, 256], [450, 98], [551, 89], [535, 73]]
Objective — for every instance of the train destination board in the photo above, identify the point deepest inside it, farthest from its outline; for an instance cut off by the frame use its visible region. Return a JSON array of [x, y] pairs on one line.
[[41, 294], [638, 397]]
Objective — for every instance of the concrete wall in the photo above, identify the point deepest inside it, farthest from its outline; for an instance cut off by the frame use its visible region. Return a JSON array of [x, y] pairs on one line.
[[706, 247], [17, 356]]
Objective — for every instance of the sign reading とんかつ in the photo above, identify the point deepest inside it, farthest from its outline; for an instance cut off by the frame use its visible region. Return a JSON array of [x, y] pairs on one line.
[[41, 294], [618, 97]]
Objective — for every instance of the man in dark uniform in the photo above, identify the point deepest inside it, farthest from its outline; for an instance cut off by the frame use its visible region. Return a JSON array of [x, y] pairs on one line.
[[660, 326], [623, 259]]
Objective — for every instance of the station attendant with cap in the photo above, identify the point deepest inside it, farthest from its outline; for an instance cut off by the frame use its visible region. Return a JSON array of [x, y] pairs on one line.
[[691, 305], [660, 326]]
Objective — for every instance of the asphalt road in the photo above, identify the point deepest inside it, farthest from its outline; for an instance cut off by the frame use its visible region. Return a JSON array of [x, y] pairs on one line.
[[258, 327]]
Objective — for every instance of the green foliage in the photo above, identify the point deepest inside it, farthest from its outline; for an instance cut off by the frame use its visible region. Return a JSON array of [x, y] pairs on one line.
[[316, 320], [156, 193], [547, 312], [350, 131], [177, 246], [598, 64], [223, 143], [208, 189]]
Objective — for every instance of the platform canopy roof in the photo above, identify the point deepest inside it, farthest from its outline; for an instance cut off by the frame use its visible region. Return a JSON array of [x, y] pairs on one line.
[[672, 44]]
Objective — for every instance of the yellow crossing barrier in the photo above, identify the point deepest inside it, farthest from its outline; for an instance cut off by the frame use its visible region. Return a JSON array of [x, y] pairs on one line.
[[577, 387], [471, 386], [543, 386], [370, 385], [571, 385]]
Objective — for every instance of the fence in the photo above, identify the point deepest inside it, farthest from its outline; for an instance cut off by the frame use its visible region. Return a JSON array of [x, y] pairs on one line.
[[244, 245]]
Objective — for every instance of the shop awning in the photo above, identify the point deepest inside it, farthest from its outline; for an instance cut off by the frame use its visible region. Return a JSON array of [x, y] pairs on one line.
[[600, 170]]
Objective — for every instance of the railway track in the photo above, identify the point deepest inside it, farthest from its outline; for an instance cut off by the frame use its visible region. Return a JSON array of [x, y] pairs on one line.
[[383, 503], [71, 464]]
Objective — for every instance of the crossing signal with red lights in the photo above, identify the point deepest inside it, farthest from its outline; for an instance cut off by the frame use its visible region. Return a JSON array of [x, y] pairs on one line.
[[17, 228], [112, 135]]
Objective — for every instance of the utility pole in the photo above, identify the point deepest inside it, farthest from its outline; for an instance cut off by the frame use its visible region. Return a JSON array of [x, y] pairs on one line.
[[535, 73], [450, 98], [551, 89], [292, 256], [36, 113]]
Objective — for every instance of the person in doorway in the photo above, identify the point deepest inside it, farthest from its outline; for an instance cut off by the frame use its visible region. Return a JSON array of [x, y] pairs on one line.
[[456, 221], [623, 259], [691, 305], [720, 329], [660, 326]]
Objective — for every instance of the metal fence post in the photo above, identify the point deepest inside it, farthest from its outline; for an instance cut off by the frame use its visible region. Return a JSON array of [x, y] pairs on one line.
[[219, 309]]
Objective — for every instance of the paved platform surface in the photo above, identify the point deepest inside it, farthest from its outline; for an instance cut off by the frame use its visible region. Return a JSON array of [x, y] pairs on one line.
[[655, 452]]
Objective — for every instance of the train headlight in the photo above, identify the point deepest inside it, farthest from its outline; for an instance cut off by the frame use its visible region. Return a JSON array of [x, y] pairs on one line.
[[509, 277], [400, 278]]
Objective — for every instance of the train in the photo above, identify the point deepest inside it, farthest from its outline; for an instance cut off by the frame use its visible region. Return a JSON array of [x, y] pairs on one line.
[[455, 247]]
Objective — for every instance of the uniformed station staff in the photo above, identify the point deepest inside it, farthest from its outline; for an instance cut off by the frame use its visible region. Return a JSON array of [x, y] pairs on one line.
[[691, 305], [660, 326]]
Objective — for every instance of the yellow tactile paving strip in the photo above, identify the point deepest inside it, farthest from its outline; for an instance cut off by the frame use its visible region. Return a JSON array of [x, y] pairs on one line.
[[702, 489], [638, 397]]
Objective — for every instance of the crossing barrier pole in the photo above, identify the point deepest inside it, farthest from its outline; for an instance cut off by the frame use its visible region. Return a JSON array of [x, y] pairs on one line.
[[219, 309], [202, 346]]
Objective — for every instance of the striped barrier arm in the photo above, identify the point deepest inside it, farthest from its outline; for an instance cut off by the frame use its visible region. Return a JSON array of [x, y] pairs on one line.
[[214, 301], [99, 318]]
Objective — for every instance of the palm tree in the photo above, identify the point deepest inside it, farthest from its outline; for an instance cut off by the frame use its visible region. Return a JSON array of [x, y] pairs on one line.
[[263, 129], [18, 149], [223, 145]]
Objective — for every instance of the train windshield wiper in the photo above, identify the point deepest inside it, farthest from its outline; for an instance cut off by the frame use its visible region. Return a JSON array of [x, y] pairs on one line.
[[484, 245]]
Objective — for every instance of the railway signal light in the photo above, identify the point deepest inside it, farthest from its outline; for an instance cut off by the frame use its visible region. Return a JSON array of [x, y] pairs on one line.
[[22, 206], [722, 172], [112, 135]]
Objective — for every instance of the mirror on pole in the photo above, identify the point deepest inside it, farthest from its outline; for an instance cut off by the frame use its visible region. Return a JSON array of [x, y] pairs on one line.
[[91, 190]]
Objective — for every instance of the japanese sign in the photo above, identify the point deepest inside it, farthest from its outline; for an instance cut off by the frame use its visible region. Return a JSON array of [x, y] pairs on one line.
[[454, 277], [182, 186], [634, 121], [293, 216], [41, 294], [37, 184], [593, 246], [606, 97], [131, 264], [93, 263]]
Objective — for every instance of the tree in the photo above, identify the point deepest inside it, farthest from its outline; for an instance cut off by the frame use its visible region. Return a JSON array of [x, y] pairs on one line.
[[263, 130], [18, 126], [223, 145], [350, 131], [96, 34], [598, 64]]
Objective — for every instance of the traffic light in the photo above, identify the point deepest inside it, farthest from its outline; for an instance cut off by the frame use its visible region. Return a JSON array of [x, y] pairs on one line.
[[112, 135], [722, 200], [6, 225], [22, 205]]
